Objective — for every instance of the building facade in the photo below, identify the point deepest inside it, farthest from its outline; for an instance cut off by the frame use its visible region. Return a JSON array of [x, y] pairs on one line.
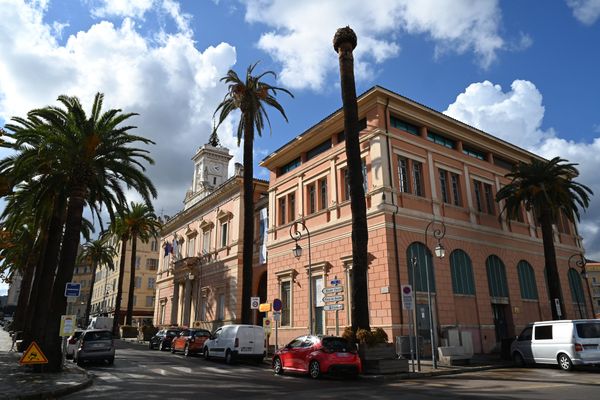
[[424, 172], [82, 274], [593, 271], [200, 273], [105, 286], [14, 289]]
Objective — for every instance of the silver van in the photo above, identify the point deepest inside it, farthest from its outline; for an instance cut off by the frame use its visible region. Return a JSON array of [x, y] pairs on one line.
[[565, 342]]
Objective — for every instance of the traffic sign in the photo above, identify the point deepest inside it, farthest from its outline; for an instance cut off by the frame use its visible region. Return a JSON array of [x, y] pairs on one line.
[[333, 307], [254, 303], [335, 282], [67, 324], [264, 307], [72, 289], [332, 289], [277, 305], [33, 355], [267, 325], [407, 297], [277, 316], [328, 299]]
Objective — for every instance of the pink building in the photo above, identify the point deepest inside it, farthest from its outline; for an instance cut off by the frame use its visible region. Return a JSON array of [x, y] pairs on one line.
[[420, 166]]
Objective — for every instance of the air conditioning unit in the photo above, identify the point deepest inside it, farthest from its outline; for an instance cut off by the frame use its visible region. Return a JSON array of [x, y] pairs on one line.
[[197, 324]]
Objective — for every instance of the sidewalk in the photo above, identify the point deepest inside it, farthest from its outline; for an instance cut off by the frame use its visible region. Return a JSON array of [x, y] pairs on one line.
[[17, 382]]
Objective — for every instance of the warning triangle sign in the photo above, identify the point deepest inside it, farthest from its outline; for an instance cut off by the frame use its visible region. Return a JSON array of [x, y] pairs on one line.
[[33, 355]]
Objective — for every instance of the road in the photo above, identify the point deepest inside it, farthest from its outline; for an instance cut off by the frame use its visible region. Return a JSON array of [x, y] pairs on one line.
[[141, 373]]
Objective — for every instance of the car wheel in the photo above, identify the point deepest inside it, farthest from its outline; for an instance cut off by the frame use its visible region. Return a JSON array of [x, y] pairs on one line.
[[186, 350], [172, 348], [518, 359], [150, 346], [228, 357], [277, 366], [564, 362], [206, 355], [314, 369], [111, 361]]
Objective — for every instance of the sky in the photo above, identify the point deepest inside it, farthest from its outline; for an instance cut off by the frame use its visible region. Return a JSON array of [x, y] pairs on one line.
[[524, 71]]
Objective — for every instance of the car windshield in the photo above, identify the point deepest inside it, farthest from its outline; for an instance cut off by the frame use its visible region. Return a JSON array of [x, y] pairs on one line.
[[337, 344], [76, 334], [173, 332], [99, 335], [201, 333], [589, 330]]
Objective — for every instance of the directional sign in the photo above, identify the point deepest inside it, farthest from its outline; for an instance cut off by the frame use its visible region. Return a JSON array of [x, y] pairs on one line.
[[72, 289], [277, 305], [329, 299], [333, 307], [33, 355], [333, 289], [254, 303]]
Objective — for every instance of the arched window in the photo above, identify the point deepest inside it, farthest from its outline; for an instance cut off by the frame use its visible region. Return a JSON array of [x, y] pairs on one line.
[[417, 251], [577, 292], [462, 273], [527, 280], [496, 274]]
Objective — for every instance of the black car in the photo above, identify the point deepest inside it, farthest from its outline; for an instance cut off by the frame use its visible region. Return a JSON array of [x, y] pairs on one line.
[[162, 339]]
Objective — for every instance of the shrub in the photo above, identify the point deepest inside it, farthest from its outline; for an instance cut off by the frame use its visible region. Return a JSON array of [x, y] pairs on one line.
[[379, 336], [364, 336], [349, 335], [128, 331], [147, 332]]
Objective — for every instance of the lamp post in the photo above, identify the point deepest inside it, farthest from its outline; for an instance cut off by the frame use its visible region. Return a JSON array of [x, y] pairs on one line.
[[440, 252], [297, 251], [579, 261], [415, 319]]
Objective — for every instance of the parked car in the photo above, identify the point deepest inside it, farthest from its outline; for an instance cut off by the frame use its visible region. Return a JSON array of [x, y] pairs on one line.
[[190, 341], [162, 339], [231, 342], [72, 343], [566, 343], [94, 345], [318, 355]]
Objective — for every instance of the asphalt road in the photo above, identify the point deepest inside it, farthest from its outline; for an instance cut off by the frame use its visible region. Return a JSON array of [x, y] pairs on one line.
[[141, 373]]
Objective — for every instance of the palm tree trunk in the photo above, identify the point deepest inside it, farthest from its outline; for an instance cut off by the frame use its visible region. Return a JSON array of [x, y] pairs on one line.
[[88, 306], [64, 274], [554, 287], [344, 44], [119, 287], [248, 223], [129, 319], [24, 294]]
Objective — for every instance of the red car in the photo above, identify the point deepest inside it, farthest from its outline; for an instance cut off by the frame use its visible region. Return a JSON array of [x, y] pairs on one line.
[[318, 355], [190, 341]]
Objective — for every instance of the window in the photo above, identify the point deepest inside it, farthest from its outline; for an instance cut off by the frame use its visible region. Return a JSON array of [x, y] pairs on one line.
[[134, 300], [496, 274], [562, 223], [418, 178], [410, 174], [286, 302], [455, 189], [206, 241], [151, 283], [224, 226], [543, 332], [153, 245], [527, 281], [473, 153], [149, 301], [152, 263], [346, 195], [138, 260], [484, 197], [282, 211], [462, 273], [323, 193], [138, 282], [364, 175], [403, 125], [489, 199], [312, 198], [191, 247], [419, 257], [315, 151], [292, 206], [441, 140], [444, 186], [221, 307], [290, 166]]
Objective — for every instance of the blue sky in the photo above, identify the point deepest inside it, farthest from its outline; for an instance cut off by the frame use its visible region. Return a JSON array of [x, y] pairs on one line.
[[525, 71]]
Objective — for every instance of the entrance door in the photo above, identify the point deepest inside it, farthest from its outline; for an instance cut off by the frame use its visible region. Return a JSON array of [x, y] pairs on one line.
[[318, 305], [500, 322]]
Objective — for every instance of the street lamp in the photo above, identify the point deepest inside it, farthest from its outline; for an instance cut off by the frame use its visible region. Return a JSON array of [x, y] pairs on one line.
[[440, 252], [579, 261], [297, 251]]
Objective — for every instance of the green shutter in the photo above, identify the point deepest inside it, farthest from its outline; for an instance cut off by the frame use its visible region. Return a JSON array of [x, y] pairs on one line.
[[496, 274], [462, 273], [576, 287], [527, 280], [423, 256]]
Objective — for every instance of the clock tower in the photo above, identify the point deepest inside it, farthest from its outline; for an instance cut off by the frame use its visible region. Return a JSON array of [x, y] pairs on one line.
[[211, 164]]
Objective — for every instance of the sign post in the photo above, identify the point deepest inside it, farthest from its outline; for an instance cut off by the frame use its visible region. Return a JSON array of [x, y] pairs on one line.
[[331, 296], [277, 306], [254, 303], [408, 304]]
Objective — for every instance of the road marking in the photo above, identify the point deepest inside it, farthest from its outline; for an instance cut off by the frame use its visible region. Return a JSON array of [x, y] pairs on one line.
[[187, 370]]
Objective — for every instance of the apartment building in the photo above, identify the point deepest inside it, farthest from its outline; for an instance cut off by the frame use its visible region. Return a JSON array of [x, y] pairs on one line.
[[82, 274], [424, 172], [200, 274], [593, 279]]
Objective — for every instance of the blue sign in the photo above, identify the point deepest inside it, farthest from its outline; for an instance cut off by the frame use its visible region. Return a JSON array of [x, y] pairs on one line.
[[72, 289], [277, 305], [335, 282]]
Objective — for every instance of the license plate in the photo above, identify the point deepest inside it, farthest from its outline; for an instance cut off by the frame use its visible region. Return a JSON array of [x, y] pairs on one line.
[[343, 355], [97, 345]]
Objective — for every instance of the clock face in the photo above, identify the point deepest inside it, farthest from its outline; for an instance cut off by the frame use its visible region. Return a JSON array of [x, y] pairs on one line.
[[216, 167]]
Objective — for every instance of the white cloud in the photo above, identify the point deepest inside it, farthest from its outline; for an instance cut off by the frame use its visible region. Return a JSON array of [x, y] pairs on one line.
[[302, 32], [516, 116], [172, 85], [586, 11], [120, 8]]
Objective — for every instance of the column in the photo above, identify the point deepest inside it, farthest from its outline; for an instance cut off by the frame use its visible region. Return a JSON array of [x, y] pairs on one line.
[[174, 303], [187, 302]]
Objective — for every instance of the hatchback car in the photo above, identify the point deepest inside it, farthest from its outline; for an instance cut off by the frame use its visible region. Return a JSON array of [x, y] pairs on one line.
[[95, 345], [72, 343], [318, 355], [162, 339], [190, 341]]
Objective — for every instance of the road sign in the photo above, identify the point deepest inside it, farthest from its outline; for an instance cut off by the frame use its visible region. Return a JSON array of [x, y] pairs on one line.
[[277, 305], [67, 324], [335, 282], [72, 289], [254, 303], [328, 299], [264, 307], [407, 297], [277, 316], [333, 307], [333, 289], [267, 325], [33, 355]]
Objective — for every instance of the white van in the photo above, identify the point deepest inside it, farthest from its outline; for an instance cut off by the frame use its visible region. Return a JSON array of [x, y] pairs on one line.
[[236, 341], [564, 342], [101, 323]]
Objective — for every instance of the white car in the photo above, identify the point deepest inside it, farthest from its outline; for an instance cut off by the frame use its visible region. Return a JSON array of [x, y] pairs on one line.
[[231, 342], [72, 343]]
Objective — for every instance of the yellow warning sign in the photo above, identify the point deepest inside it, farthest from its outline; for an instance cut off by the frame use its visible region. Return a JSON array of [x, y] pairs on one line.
[[33, 355]]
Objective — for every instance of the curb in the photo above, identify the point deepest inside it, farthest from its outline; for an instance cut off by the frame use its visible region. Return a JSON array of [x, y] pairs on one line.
[[422, 375], [52, 393]]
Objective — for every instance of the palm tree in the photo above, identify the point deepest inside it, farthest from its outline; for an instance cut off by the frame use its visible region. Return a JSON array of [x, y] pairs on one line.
[[119, 229], [97, 252], [249, 97], [344, 43], [546, 188], [140, 223], [89, 161]]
